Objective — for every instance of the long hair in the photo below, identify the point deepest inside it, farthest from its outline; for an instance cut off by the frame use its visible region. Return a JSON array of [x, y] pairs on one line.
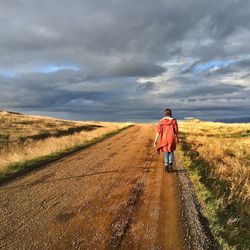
[[168, 112]]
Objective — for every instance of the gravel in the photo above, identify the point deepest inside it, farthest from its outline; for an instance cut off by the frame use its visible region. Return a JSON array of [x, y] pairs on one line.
[[197, 234]]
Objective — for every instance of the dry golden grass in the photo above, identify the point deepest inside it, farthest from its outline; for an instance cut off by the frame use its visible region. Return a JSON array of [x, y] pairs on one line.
[[226, 148], [15, 127], [218, 158], [24, 137]]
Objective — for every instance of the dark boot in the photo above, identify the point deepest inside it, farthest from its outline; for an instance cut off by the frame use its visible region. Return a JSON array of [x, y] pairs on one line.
[[171, 166], [166, 168]]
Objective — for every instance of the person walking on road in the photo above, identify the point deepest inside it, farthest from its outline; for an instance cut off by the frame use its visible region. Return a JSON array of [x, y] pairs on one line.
[[167, 130]]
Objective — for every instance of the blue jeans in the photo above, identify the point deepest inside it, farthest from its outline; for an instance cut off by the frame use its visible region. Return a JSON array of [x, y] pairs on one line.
[[169, 157]]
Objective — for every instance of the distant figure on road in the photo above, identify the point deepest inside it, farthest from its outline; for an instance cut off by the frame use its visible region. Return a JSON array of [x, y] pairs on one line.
[[167, 130]]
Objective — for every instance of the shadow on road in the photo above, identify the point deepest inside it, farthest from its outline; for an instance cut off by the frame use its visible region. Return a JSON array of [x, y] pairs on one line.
[[42, 181]]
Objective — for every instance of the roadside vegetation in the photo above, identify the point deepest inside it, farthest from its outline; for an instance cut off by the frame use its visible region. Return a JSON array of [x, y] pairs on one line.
[[218, 159], [27, 141]]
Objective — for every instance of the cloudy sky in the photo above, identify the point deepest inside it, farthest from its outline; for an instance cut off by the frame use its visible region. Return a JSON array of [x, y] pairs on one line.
[[125, 60]]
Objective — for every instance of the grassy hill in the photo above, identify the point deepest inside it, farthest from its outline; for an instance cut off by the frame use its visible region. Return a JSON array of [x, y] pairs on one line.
[[16, 127], [26, 140]]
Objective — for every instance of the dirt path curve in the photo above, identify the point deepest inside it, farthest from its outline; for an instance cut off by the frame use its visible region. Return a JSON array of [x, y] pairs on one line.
[[110, 195]]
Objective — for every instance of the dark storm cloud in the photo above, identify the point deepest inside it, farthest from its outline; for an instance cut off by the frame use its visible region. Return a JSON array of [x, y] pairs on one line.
[[246, 76], [206, 90], [221, 89], [147, 86], [86, 31], [127, 54], [190, 68], [135, 69]]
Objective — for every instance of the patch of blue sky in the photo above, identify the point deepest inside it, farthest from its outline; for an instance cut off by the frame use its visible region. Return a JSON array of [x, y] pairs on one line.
[[199, 68], [45, 69], [8, 74]]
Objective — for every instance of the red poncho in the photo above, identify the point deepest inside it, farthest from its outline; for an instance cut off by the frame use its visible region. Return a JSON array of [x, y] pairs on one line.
[[168, 130]]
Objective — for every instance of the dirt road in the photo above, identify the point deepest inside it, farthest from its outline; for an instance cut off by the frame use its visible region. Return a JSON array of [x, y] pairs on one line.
[[111, 195]]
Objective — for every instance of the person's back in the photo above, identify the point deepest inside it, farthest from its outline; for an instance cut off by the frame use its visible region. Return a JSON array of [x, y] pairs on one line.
[[167, 131]]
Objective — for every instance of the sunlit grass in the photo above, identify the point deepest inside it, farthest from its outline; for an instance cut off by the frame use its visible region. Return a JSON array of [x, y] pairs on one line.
[[218, 157], [25, 141], [228, 154]]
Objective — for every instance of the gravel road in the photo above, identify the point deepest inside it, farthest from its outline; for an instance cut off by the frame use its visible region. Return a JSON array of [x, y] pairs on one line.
[[111, 195]]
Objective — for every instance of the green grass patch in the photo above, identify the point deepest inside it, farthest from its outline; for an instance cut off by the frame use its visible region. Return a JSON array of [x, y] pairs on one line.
[[19, 169], [228, 222]]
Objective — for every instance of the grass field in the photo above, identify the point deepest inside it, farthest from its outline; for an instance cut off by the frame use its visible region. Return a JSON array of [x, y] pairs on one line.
[[218, 156], [28, 139]]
